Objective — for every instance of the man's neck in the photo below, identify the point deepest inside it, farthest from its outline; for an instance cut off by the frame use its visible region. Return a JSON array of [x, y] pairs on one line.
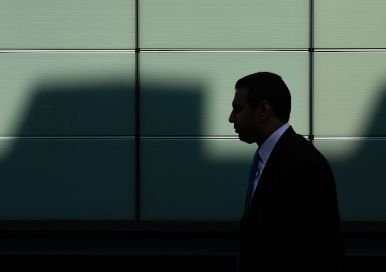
[[271, 128]]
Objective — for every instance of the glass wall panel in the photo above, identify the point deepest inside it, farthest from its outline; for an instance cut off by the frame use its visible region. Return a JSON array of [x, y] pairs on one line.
[[66, 94], [67, 179], [224, 24], [350, 24], [360, 177], [192, 93], [74, 24], [181, 181], [350, 94]]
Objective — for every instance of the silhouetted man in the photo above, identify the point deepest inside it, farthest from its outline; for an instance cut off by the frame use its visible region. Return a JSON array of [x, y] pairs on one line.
[[291, 219]]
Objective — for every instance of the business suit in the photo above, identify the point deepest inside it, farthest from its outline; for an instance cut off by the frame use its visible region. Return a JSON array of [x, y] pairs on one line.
[[292, 222]]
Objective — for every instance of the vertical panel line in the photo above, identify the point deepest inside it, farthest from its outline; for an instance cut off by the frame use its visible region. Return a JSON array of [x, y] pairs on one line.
[[311, 71], [137, 120]]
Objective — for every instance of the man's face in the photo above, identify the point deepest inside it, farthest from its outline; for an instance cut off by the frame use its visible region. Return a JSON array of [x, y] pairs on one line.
[[244, 118]]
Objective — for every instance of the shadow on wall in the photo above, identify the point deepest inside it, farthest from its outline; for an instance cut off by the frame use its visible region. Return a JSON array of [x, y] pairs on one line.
[[74, 157], [60, 171], [361, 180], [178, 180]]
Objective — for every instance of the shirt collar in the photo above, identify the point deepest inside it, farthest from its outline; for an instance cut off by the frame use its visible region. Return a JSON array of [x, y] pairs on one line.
[[266, 148]]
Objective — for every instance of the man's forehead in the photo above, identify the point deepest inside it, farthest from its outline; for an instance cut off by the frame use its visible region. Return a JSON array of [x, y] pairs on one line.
[[241, 93]]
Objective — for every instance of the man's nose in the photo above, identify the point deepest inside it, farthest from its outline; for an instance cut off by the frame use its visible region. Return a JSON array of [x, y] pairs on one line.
[[231, 119]]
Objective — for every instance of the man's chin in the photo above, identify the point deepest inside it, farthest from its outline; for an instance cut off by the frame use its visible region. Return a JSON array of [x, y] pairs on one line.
[[246, 140]]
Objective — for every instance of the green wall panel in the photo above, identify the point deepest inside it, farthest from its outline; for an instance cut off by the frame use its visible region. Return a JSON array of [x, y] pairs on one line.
[[58, 24], [67, 179], [186, 179], [350, 94], [360, 177], [66, 94], [224, 24], [192, 93], [350, 24], [54, 103]]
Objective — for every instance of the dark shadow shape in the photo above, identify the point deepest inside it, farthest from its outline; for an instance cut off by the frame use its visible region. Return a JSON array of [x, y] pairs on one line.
[[89, 174]]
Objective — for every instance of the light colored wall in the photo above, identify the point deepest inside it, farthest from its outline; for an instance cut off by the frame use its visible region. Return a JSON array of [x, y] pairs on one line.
[[67, 102]]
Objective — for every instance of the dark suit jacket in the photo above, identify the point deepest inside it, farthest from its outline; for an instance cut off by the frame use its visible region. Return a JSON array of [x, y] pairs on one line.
[[292, 223]]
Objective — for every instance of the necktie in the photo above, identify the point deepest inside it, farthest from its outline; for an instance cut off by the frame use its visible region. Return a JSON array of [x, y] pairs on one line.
[[253, 175]]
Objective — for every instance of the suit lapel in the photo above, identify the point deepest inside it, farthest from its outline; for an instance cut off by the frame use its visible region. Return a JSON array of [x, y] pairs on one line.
[[271, 164]]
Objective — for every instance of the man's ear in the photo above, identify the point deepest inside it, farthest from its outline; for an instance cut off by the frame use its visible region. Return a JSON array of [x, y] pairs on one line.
[[265, 109]]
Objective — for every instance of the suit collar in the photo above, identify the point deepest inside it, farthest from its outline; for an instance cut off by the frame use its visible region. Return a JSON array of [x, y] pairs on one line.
[[270, 165], [267, 147]]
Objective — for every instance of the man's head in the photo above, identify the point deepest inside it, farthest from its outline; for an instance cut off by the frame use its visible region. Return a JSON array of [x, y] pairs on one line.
[[262, 103]]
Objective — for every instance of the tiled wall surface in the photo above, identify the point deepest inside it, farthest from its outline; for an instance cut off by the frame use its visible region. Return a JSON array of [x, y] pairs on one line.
[[76, 75]]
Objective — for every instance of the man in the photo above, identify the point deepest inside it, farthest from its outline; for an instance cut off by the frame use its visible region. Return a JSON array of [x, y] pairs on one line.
[[291, 220]]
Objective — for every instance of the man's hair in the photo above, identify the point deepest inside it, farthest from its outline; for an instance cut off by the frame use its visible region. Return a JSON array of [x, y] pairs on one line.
[[267, 86]]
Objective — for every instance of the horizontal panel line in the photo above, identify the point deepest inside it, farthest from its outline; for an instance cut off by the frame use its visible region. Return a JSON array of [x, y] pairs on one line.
[[222, 50], [67, 51], [187, 137], [351, 138], [191, 137], [193, 50], [332, 50], [151, 50], [65, 137], [125, 137]]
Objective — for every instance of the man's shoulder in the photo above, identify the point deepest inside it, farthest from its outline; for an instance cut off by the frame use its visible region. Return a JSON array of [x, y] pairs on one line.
[[297, 149], [301, 160]]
